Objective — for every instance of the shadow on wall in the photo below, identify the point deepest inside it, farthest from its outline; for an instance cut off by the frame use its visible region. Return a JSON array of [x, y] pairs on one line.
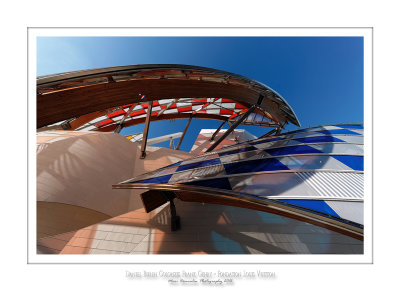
[[75, 173], [81, 170]]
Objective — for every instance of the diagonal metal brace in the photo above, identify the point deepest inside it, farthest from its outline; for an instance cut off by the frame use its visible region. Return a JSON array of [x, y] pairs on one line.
[[184, 132], [218, 129], [239, 121], [269, 133], [146, 130]]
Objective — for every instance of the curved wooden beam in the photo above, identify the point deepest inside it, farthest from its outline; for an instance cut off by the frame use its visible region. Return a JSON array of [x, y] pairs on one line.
[[69, 103]]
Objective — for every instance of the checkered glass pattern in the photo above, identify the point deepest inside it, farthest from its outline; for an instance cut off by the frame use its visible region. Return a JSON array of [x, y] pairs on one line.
[[318, 169], [212, 106]]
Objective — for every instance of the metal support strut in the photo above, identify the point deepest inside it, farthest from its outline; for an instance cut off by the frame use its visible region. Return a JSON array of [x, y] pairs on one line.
[[233, 132], [184, 132], [239, 121], [175, 219], [268, 133], [146, 130], [218, 129], [230, 129], [121, 123]]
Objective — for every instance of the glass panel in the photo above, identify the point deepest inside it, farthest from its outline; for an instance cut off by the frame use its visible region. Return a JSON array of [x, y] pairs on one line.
[[292, 150], [243, 156], [266, 140], [353, 162], [156, 180], [338, 131], [327, 127], [254, 166], [304, 134], [278, 143], [212, 171], [352, 138], [198, 164], [220, 183], [353, 211], [199, 159], [238, 150], [268, 184], [339, 148], [313, 162], [316, 205], [318, 139]]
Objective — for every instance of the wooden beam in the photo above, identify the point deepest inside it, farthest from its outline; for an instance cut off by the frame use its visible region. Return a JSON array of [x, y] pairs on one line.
[[69, 103]]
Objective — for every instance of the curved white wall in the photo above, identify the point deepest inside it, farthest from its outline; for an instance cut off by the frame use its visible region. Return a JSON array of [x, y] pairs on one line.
[[78, 168]]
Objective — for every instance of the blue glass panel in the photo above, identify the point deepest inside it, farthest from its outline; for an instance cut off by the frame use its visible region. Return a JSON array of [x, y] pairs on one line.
[[316, 139], [263, 141], [338, 131], [241, 150], [220, 183], [156, 180], [317, 205], [301, 149], [354, 162], [354, 126], [199, 164], [254, 166]]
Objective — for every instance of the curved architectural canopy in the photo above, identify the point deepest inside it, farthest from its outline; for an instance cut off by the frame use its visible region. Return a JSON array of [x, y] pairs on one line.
[[314, 175], [105, 99]]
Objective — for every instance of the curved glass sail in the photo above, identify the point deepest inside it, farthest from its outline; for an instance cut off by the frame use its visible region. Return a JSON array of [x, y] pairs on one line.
[[314, 174]]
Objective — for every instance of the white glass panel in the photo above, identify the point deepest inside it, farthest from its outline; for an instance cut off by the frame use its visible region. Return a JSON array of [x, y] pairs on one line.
[[272, 185], [339, 148], [313, 162]]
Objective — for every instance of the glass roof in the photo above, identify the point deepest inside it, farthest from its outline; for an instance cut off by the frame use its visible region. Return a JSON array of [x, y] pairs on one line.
[[312, 171]]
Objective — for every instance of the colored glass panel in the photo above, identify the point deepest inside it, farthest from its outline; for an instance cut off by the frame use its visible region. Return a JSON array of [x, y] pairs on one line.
[[156, 180], [198, 164], [241, 150], [264, 141], [254, 166], [108, 121], [317, 205], [292, 150], [354, 162], [219, 183], [316, 139]]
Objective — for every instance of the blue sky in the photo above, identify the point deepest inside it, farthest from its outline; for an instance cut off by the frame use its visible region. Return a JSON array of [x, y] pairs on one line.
[[320, 77]]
